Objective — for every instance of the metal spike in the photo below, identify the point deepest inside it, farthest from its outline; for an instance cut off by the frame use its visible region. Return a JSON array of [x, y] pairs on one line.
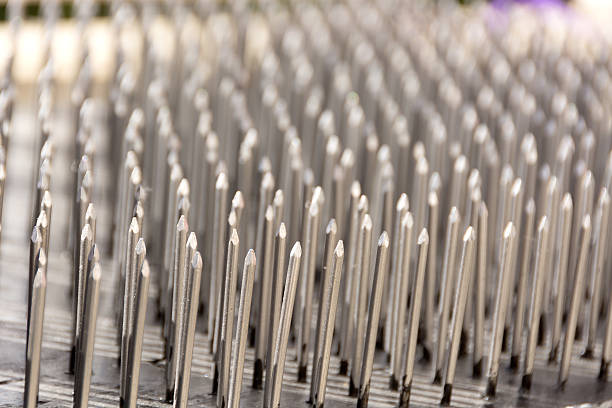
[[280, 244], [310, 235], [447, 284], [361, 290], [235, 382], [536, 301], [415, 313], [400, 296], [35, 333], [501, 306], [463, 286], [577, 298], [265, 290], [282, 336], [136, 339], [190, 307], [330, 242], [373, 316], [224, 347], [321, 365], [88, 333]]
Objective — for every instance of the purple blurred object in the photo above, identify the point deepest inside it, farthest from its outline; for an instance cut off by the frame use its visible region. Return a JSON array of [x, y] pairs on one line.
[[538, 3]]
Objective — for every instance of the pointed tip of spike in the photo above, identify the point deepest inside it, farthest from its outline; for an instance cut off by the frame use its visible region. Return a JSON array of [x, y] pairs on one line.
[[141, 248], [567, 202], [267, 182], [238, 200], [586, 221], [42, 257], [383, 240], [423, 237], [313, 210], [269, 214], [96, 272], [192, 240], [42, 220], [453, 216], [469, 235], [183, 187], [332, 226], [279, 197], [136, 176], [36, 234], [604, 196], [432, 199], [145, 270], [339, 251], [181, 224], [402, 202], [366, 223], [282, 230], [196, 261], [87, 233], [176, 173], [91, 211], [222, 183], [407, 220], [46, 199], [250, 258], [134, 226], [234, 237], [355, 189], [363, 203], [296, 251]]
